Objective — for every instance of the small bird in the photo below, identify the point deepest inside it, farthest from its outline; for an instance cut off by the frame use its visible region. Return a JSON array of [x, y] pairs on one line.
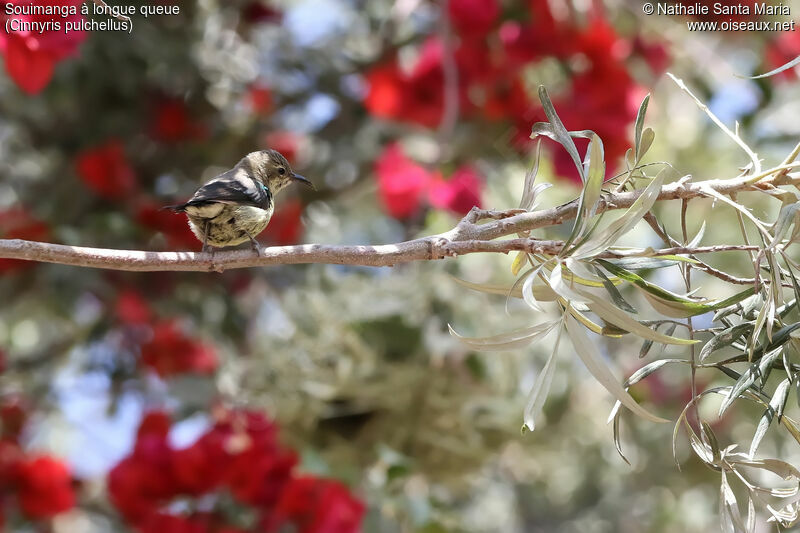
[[236, 205]]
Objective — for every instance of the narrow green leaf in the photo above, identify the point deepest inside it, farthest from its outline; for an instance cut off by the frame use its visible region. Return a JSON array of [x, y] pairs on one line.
[[592, 187], [519, 262], [591, 357], [611, 234], [506, 341], [648, 136], [528, 293], [612, 291], [639, 125], [541, 292], [649, 368], [528, 195], [724, 338], [748, 378], [541, 388], [669, 303], [559, 131], [615, 426], [776, 405], [786, 66], [621, 319], [776, 466]]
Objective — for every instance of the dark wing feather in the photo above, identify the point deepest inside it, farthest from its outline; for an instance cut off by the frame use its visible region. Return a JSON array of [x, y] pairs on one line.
[[231, 188]]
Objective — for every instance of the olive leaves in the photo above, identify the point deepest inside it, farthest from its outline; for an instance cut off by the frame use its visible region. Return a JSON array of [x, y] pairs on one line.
[[595, 284]]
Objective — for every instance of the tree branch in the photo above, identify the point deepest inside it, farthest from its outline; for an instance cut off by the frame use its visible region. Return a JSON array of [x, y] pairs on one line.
[[467, 237]]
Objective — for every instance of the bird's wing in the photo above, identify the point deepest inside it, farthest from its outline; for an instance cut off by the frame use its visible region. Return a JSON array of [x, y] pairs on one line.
[[230, 188]]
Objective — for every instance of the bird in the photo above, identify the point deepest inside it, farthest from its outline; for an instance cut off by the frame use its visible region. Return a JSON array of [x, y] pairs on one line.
[[237, 205]]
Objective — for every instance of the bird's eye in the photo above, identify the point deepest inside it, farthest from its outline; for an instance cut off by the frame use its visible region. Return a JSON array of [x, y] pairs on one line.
[[281, 171]]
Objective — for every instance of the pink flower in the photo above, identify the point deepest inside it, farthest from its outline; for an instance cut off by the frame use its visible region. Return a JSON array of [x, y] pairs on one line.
[[401, 182], [460, 193], [473, 17], [31, 56]]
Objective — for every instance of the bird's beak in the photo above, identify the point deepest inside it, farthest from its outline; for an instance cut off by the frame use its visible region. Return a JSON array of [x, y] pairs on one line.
[[305, 181]]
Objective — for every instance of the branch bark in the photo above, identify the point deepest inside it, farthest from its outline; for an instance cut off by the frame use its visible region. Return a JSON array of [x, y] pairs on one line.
[[467, 237]]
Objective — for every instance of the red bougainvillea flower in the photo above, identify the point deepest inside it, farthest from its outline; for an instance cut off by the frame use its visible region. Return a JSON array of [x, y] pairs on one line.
[[315, 505], [401, 182], [13, 416], [608, 112], [31, 56], [473, 18], [171, 122], [170, 352], [138, 486], [782, 50], [260, 12], [172, 225], [460, 193], [44, 487], [239, 455], [168, 523], [285, 142], [105, 170], [131, 308], [414, 96], [654, 53], [18, 223], [285, 226], [260, 99]]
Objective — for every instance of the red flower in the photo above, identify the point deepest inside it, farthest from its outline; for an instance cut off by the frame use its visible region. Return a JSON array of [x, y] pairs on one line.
[[18, 223], [317, 506], [654, 53], [259, 12], [460, 193], [542, 36], [168, 523], [286, 142], [106, 171], [170, 352], [416, 96], [473, 17], [13, 417], [44, 487], [172, 225], [171, 123], [260, 99], [385, 96], [154, 424], [239, 454], [603, 98], [131, 308], [194, 470], [780, 51], [285, 226], [142, 481], [31, 56], [401, 182]]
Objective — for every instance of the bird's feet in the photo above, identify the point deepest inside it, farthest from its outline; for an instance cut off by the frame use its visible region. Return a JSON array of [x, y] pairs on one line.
[[255, 245]]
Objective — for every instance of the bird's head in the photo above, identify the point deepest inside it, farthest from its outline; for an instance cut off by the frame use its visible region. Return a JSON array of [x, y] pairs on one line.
[[273, 170]]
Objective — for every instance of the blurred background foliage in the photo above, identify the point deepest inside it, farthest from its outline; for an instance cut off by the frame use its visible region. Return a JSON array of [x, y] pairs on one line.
[[404, 114]]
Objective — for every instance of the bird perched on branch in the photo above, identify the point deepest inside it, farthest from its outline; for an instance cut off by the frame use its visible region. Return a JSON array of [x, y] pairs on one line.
[[236, 205]]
